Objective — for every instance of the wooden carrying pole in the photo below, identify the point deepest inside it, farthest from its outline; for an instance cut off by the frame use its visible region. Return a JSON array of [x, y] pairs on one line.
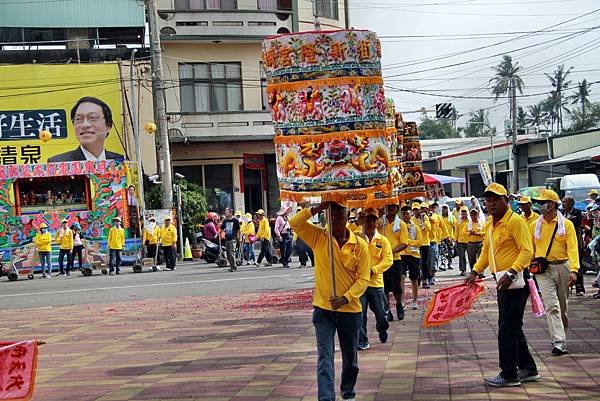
[[331, 258]]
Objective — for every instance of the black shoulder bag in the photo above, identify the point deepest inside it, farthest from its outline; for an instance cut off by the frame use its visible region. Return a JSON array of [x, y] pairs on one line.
[[539, 265]]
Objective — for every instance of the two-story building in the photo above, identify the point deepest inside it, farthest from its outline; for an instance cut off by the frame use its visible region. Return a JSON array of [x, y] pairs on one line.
[[218, 114]]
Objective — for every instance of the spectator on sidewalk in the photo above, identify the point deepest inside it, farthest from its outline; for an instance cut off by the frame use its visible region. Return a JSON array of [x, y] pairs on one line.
[[303, 250], [462, 239], [231, 227], [249, 236], [151, 238], [507, 251], [43, 242], [168, 240], [411, 263], [394, 229], [116, 244], [434, 245], [555, 240], [284, 235], [576, 217], [341, 311], [421, 220], [264, 236], [78, 245], [64, 239], [381, 259]]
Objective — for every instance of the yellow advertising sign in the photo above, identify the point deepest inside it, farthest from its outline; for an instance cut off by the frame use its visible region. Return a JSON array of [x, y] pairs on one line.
[[80, 105]]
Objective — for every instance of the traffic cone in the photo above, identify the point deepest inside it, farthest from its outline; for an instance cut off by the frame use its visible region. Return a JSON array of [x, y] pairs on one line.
[[187, 251]]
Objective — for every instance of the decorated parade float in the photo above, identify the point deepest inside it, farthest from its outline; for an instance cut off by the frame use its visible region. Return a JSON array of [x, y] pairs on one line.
[[47, 177]]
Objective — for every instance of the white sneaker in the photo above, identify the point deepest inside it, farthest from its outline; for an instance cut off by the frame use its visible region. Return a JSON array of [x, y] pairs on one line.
[[415, 306]]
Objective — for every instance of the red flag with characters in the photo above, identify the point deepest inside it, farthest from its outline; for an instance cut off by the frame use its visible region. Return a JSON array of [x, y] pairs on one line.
[[18, 363], [452, 302]]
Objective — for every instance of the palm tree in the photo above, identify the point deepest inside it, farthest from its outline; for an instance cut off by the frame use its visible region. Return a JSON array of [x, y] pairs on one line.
[[582, 97], [521, 118], [549, 106], [560, 84], [479, 123], [535, 115]]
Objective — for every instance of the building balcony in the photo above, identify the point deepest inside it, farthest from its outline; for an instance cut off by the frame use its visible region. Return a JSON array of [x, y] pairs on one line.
[[223, 25], [246, 125]]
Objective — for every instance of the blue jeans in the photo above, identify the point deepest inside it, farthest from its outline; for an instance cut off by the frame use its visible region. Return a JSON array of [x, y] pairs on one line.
[[249, 251], [286, 249], [45, 261], [346, 324], [114, 260], [375, 298]]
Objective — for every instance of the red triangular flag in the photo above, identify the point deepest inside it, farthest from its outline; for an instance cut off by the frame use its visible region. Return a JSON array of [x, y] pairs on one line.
[[18, 364], [452, 302]]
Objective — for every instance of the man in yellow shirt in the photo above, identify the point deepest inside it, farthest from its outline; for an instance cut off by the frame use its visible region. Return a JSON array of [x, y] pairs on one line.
[[249, 233], [476, 234], [151, 237], [411, 263], [116, 244], [43, 242], [340, 312], [555, 240], [168, 240], [450, 224], [462, 239], [528, 214], [64, 239], [434, 237], [381, 259], [507, 251], [422, 221], [394, 229], [264, 236]]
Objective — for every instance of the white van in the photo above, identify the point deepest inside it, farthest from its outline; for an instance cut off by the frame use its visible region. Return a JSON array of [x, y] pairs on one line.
[[578, 185]]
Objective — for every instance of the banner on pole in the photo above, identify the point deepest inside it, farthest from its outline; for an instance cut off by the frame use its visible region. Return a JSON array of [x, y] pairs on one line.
[[18, 364], [452, 302]]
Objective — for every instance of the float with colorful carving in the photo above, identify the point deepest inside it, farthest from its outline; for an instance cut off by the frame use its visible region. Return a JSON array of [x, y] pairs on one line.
[[30, 194]]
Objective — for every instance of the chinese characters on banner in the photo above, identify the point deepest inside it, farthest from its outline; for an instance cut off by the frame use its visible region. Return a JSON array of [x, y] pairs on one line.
[[452, 302], [18, 364]]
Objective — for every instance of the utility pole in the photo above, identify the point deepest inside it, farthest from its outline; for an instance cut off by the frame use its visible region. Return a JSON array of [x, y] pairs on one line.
[[160, 111], [515, 155], [136, 136]]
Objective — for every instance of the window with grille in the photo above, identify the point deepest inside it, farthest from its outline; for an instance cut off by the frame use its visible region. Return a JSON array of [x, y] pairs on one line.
[[263, 87], [206, 4], [209, 87]]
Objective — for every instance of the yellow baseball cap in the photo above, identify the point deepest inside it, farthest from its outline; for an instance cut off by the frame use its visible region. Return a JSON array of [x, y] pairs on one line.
[[547, 195], [424, 205], [352, 215], [371, 212], [238, 213], [593, 192], [64, 221], [261, 212], [118, 219], [497, 189], [524, 199], [458, 202], [464, 209], [43, 225], [415, 205], [248, 216]]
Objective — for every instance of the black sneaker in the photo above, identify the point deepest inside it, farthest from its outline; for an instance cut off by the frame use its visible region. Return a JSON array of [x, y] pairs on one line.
[[500, 381], [528, 376], [400, 312], [596, 295], [450, 268], [383, 337], [363, 347], [389, 316], [558, 351]]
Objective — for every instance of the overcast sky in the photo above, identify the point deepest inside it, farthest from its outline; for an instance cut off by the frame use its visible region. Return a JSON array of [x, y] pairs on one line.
[[441, 28]]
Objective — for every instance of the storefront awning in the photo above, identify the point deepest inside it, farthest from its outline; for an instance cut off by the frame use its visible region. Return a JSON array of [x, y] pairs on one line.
[[582, 155]]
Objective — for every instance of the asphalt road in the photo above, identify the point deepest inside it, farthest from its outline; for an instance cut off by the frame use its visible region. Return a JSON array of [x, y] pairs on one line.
[[189, 279]]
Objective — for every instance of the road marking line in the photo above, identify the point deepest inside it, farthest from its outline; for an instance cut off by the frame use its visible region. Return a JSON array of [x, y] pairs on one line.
[[141, 286]]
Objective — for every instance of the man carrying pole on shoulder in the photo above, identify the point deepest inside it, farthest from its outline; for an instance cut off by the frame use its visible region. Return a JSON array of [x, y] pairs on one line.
[[341, 311]]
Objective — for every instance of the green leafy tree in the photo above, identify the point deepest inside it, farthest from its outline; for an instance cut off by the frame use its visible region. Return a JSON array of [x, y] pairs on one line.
[[478, 124], [193, 205], [521, 118], [582, 97], [536, 115], [507, 75], [431, 128], [560, 83], [591, 119], [550, 109]]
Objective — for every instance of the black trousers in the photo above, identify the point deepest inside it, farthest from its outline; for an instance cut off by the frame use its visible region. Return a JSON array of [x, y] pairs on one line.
[[61, 260], [513, 350], [151, 250], [169, 254], [77, 251], [265, 251], [424, 262]]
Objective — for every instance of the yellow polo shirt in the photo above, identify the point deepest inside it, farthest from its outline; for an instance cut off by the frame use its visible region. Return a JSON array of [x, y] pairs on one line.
[[425, 230], [413, 244], [450, 227], [152, 237], [168, 235], [248, 230], [462, 234], [512, 245], [436, 223], [351, 264], [264, 230], [66, 240], [395, 238], [380, 251], [354, 227], [116, 238], [532, 217], [43, 242], [479, 233], [563, 247]]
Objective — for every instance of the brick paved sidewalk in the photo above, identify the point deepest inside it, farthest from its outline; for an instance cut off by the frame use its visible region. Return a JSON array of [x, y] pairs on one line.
[[261, 347]]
